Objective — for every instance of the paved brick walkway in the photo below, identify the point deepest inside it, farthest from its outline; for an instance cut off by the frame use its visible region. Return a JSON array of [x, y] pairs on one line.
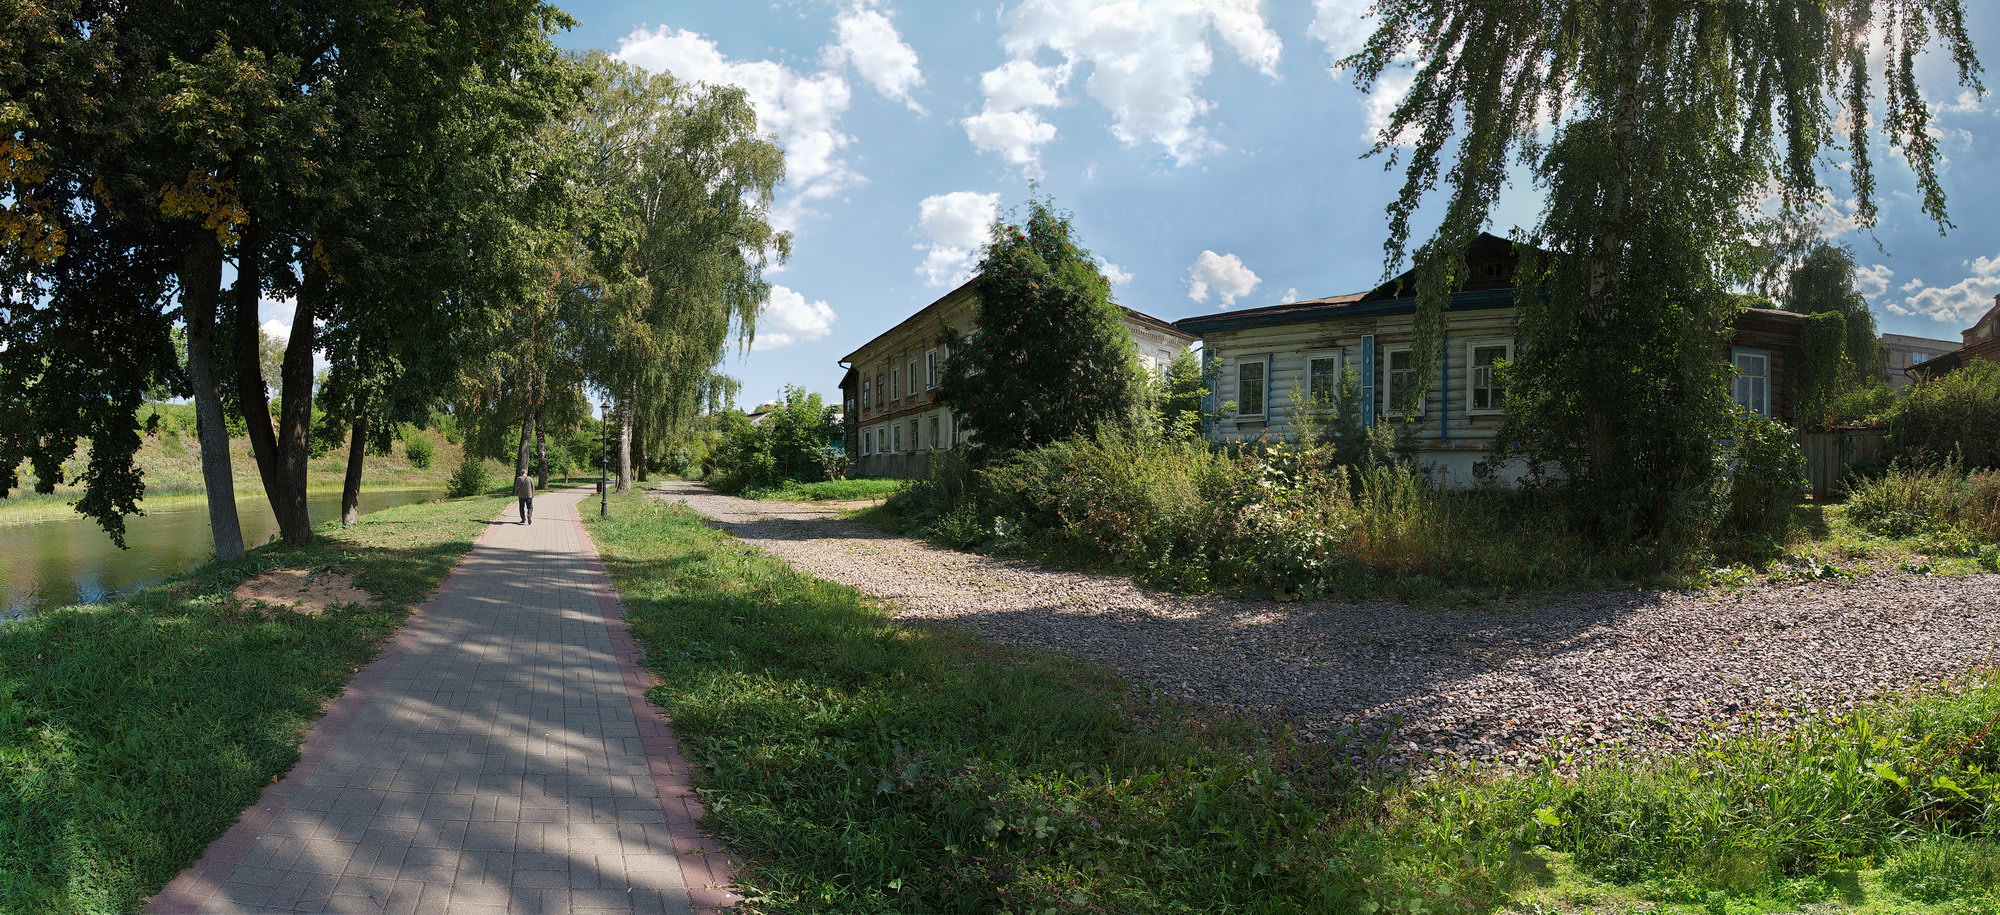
[[499, 756]]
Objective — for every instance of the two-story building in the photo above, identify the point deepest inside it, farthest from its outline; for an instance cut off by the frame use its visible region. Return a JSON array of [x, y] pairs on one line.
[[1267, 367], [1981, 341], [1903, 352], [893, 422]]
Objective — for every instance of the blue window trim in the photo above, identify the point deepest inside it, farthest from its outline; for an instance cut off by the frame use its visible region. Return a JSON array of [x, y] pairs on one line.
[[1368, 379]]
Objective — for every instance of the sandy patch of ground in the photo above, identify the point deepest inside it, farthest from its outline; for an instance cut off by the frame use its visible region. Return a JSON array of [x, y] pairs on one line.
[[302, 591]]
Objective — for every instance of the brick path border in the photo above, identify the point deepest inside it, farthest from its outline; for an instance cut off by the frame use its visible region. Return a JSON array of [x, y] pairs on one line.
[[705, 866], [706, 869]]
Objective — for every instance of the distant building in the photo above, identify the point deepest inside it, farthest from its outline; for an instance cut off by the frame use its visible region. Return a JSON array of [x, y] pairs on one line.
[[893, 421], [1981, 341], [763, 412], [1905, 351]]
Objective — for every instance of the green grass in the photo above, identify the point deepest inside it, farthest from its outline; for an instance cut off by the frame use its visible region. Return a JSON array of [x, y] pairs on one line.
[[864, 766], [827, 490], [133, 732]]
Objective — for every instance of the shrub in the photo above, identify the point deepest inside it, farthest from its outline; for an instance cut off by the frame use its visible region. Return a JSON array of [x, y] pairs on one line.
[[419, 451], [470, 479], [1767, 475], [1871, 406], [1957, 415], [1928, 500]]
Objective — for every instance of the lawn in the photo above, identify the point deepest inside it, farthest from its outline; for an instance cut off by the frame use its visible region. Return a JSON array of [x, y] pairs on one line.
[[133, 732], [827, 490], [861, 765]]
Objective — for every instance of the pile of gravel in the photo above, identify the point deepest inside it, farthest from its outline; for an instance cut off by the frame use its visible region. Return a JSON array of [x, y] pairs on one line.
[[1645, 670]]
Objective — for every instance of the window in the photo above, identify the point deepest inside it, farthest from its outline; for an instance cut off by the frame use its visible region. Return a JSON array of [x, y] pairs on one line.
[[936, 442], [1482, 381], [1323, 371], [878, 390], [913, 378], [866, 392], [930, 369], [1401, 371], [895, 384], [867, 443], [1150, 364], [1250, 378], [896, 444], [1752, 388], [916, 439]]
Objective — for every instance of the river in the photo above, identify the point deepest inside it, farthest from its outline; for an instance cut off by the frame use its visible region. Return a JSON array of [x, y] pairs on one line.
[[47, 564]]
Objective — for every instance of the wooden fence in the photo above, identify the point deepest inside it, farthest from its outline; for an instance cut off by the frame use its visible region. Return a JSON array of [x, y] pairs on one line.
[[1829, 454]]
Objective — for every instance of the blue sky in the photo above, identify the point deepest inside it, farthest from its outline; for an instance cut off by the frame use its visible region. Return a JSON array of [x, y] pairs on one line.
[[1209, 153]]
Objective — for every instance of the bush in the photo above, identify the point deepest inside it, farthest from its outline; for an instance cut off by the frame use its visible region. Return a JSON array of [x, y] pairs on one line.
[[1957, 415], [1767, 475], [1928, 500], [419, 451], [470, 479], [793, 445], [1862, 406]]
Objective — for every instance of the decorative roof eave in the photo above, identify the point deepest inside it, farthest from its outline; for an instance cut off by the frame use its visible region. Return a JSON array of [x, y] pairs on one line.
[[1336, 310]]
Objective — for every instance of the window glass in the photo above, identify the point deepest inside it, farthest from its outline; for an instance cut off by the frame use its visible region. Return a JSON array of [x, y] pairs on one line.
[[1250, 388], [1752, 388], [1402, 371], [931, 369], [1323, 379], [895, 384], [896, 444], [936, 442], [916, 439], [1487, 394]]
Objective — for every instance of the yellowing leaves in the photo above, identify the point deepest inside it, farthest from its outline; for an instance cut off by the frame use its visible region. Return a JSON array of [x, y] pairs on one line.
[[207, 198]]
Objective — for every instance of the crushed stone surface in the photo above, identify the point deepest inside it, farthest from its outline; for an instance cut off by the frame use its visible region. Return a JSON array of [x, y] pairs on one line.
[[1576, 675]]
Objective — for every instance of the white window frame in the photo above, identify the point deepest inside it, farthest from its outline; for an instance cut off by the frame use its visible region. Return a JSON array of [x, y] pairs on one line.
[[937, 434], [867, 442], [1339, 357], [1263, 366], [913, 376], [1739, 387], [1389, 383], [1472, 366], [930, 370], [896, 438]]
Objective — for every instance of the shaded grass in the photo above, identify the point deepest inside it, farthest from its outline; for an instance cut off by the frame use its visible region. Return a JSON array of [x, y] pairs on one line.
[[828, 490], [133, 732], [866, 766]]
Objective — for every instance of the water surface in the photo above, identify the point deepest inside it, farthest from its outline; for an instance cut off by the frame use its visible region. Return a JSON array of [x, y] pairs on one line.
[[47, 564]]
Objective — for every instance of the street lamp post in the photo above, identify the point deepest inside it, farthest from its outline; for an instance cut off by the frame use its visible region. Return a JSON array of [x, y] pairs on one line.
[[604, 477]]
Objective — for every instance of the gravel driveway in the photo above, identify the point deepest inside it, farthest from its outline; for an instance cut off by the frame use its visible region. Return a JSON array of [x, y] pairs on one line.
[[1646, 669]]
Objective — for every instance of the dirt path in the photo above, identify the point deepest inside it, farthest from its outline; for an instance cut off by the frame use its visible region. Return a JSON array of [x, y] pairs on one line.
[[1649, 669]]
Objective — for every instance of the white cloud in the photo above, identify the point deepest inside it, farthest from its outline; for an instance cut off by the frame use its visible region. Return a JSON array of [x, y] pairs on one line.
[[788, 318], [1288, 296], [1114, 274], [1874, 281], [1146, 61], [1341, 25], [1388, 93], [804, 112], [955, 226], [869, 41], [1223, 273], [1960, 304], [280, 331]]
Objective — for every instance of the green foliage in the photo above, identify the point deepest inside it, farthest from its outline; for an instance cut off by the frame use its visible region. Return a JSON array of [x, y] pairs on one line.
[[1178, 396], [1823, 369], [1928, 500], [1767, 477], [1863, 406], [470, 478], [419, 451], [132, 733], [1956, 416], [1823, 284], [1051, 357], [795, 444], [1656, 130], [828, 490]]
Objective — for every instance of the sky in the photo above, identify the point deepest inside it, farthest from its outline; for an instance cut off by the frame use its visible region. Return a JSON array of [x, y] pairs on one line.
[[1211, 155]]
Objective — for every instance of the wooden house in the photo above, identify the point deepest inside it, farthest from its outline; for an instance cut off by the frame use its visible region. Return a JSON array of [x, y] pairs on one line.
[[1981, 343], [1267, 366], [893, 424]]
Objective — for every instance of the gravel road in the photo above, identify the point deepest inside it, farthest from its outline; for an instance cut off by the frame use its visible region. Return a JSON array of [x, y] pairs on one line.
[[1646, 670]]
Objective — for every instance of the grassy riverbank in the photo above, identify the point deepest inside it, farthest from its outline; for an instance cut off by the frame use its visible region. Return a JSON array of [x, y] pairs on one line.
[[865, 766], [133, 732], [828, 490]]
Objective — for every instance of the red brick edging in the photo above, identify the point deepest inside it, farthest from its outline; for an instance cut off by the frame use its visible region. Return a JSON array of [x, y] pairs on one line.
[[193, 888], [705, 864]]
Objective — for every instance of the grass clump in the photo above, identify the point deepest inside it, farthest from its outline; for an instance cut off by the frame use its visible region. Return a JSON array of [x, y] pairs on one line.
[[133, 732], [826, 490], [866, 766], [1923, 500]]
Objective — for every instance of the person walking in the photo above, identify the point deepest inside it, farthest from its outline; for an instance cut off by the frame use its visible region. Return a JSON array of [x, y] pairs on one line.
[[524, 490]]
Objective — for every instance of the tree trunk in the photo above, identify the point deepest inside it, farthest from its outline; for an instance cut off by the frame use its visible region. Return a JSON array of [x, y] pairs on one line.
[[625, 446], [251, 397], [350, 488], [201, 286], [527, 436], [295, 425], [640, 436], [541, 443]]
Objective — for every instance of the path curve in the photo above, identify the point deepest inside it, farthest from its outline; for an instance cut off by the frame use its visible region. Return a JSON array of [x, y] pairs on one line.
[[499, 755], [1651, 669]]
